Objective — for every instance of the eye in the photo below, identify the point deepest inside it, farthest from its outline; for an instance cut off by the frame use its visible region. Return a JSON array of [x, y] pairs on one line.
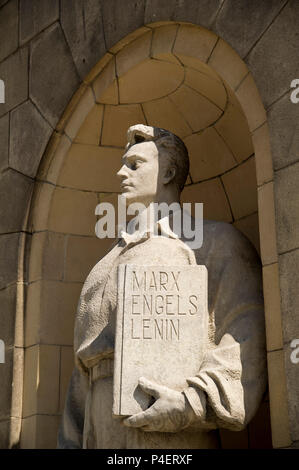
[[135, 164]]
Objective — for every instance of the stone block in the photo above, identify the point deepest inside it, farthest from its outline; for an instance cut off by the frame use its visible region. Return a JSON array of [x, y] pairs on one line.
[[66, 369], [241, 188], [82, 109], [209, 155], [283, 121], [271, 289], [267, 224], [73, 212], [40, 432], [273, 73], [134, 53], [233, 129], [189, 102], [150, 80], [92, 168], [213, 90], [287, 207], [14, 73], [248, 21], [41, 380], [29, 135], [6, 384], [163, 41], [82, 23], [213, 197], [90, 130], [54, 157], [50, 60], [105, 86], [278, 399], [7, 316], [249, 226], [292, 378], [228, 64], [121, 18], [195, 42], [15, 194], [4, 137], [50, 312], [82, 253], [163, 113], [8, 29], [288, 270], [263, 158], [117, 120], [41, 201], [9, 254], [36, 16], [5, 427], [251, 103], [157, 10], [202, 13], [46, 256]]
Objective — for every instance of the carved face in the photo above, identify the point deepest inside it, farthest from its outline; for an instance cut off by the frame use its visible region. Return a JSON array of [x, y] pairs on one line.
[[141, 173]]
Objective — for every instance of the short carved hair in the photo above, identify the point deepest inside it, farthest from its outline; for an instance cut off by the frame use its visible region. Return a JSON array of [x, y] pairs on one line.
[[173, 146]]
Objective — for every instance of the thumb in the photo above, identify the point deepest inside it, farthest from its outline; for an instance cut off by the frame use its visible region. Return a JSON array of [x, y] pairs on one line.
[[152, 388]]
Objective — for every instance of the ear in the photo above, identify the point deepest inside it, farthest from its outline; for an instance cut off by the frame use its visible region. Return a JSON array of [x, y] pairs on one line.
[[169, 175]]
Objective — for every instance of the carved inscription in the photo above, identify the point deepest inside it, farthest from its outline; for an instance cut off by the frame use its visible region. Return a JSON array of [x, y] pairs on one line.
[[158, 302], [161, 330]]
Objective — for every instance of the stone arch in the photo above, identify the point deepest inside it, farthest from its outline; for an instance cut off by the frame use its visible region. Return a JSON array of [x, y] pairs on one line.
[[190, 68]]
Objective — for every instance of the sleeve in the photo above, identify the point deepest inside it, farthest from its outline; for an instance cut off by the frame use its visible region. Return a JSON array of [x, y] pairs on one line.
[[70, 435], [230, 384]]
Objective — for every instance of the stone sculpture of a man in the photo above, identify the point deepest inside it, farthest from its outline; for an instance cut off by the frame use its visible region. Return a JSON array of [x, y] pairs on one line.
[[227, 390]]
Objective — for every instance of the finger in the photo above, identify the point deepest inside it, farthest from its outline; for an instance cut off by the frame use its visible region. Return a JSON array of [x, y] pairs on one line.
[[152, 388], [138, 420]]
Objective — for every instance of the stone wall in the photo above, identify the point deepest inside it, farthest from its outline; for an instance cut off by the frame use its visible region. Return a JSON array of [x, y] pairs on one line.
[[46, 51]]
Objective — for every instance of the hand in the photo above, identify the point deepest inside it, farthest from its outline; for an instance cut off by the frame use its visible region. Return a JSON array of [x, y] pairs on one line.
[[171, 411]]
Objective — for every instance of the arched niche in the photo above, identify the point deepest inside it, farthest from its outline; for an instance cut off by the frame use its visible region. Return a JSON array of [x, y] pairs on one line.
[[177, 76]]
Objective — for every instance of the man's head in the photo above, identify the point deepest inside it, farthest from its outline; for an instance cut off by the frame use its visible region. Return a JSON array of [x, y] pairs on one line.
[[155, 165]]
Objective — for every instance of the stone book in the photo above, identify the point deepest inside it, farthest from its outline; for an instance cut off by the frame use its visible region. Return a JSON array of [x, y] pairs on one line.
[[161, 330]]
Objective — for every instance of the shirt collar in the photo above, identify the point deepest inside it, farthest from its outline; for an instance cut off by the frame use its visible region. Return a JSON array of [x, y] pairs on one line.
[[161, 226]]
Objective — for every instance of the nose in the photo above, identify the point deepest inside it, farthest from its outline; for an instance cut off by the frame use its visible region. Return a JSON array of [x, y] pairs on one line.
[[122, 172]]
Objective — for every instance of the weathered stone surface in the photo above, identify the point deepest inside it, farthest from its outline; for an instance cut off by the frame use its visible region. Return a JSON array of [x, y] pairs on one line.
[[201, 13], [47, 256], [287, 207], [272, 299], [8, 29], [242, 23], [6, 383], [292, 390], [29, 135], [15, 193], [14, 73], [272, 59], [4, 433], [288, 270], [157, 345], [4, 133], [8, 259], [36, 16], [7, 316], [121, 18], [283, 121], [83, 26], [53, 77], [278, 399]]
